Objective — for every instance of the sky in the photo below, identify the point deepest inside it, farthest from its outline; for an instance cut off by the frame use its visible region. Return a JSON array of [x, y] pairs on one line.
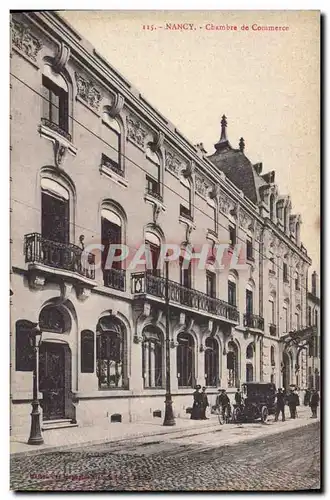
[[265, 82]]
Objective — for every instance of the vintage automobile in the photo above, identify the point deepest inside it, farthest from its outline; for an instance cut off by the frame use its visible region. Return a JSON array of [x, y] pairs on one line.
[[257, 403]]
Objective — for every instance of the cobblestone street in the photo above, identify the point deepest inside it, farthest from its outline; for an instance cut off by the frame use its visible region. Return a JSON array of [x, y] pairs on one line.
[[285, 461]]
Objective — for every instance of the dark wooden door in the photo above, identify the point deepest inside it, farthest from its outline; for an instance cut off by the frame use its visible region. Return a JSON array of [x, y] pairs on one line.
[[52, 380]]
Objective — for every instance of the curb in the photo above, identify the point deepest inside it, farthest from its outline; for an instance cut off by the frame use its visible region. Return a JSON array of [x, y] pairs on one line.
[[186, 432]]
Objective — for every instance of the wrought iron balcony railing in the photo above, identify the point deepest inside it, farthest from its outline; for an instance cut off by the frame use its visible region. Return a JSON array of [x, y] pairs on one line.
[[253, 321], [272, 329], [146, 283], [59, 255], [112, 164], [56, 128], [115, 278]]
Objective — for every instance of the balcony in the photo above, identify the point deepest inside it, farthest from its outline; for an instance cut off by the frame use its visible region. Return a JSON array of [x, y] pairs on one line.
[[54, 254], [147, 284], [253, 321], [111, 164], [272, 330], [185, 212], [56, 128], [115, 278]]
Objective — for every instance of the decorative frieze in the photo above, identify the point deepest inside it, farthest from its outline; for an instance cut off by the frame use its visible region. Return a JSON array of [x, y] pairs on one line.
[[203, 187], [226, 205], [88, 92], [24, 40], [245, 220], [174, 163], [136, 131]]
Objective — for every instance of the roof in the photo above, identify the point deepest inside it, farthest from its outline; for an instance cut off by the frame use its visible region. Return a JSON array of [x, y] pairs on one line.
[[236, 166]]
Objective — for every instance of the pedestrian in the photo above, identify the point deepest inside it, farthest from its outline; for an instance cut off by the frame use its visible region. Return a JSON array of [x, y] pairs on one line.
[[197, 404], [238, 397], [293, 402], [205, 404], [307, 397], [223, 402], [280, 405], [314, 402]]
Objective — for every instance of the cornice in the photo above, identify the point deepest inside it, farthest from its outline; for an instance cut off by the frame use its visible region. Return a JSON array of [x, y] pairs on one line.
[[285, 239]]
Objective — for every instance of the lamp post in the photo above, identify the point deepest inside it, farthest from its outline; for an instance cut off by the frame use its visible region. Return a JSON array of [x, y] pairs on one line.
[[169, 417], [35, 431]]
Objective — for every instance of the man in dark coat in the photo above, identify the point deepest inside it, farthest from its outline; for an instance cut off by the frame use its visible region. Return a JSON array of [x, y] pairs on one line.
[[314, 402], [280, 403], [223, 402], [238, 397], [307, 397], [293, 402], [197, 404], [205, 404]]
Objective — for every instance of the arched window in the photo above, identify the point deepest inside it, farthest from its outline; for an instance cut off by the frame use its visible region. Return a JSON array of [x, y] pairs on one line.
[[232, 286], [87, 351], [271, 206], [272, 355], [112, 234], [111, 354], [111, 135], [152, 358], [55, 102], [152, 243], [211, 360], [232, 365], [186, 198], [272, 317], [185, 360], [55, 211], [286, 317], [249, 351], [153, 173], [53, 319]]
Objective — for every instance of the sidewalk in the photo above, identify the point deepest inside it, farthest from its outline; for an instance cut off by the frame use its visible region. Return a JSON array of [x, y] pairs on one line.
[[62, 439]]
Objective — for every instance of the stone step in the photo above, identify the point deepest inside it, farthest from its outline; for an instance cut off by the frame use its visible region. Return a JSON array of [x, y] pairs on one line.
[[57, 424]]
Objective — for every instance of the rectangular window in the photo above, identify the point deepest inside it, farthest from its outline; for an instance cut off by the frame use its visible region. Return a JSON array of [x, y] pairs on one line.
[[232, 293], [153, 186], [55, 104], [316, 320], [296, 283], [249, 302], [285, 272], [272, 311], [309, 316], [232, 235], [210, 284], [110, 235], [185, 275], [297, 321], [249, 248], [286, 319]]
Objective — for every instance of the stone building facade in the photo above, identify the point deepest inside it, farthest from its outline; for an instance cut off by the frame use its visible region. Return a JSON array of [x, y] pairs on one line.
[[93, 162]]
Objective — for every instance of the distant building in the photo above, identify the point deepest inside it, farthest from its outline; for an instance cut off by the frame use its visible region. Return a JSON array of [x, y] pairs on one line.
[[92, 162]]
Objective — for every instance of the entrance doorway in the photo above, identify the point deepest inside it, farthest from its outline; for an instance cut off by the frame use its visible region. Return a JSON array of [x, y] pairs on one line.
[[55, 380], [286, 370]]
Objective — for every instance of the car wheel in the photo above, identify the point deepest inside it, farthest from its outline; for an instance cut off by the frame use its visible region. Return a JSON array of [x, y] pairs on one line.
[[264, 414]]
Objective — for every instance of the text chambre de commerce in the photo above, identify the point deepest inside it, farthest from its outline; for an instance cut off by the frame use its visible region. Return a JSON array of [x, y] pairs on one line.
[[214, 27]]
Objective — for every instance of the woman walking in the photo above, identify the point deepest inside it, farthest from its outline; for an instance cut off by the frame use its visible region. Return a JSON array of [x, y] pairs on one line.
[[196, 413]]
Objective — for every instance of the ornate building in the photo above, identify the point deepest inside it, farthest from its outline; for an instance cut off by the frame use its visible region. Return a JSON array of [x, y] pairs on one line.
[[85, 144]]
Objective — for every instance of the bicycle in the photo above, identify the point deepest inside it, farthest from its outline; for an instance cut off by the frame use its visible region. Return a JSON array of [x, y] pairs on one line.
[[223, 415]]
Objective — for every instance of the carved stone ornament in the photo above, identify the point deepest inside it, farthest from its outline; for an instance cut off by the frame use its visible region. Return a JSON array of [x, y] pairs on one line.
[[24, 40], [245, 220], [88, 92], [202, 186], [59, 153], [226, 205], [137, 339], [156, 210], [61, 58], [117, 106], [173, 162], [36, 281], [258, 232], [83, 293], [158, 142], [136, 131]]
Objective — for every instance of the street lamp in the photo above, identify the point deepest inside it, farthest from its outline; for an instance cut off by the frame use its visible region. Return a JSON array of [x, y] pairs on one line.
[[35, 431], [169, 417]]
